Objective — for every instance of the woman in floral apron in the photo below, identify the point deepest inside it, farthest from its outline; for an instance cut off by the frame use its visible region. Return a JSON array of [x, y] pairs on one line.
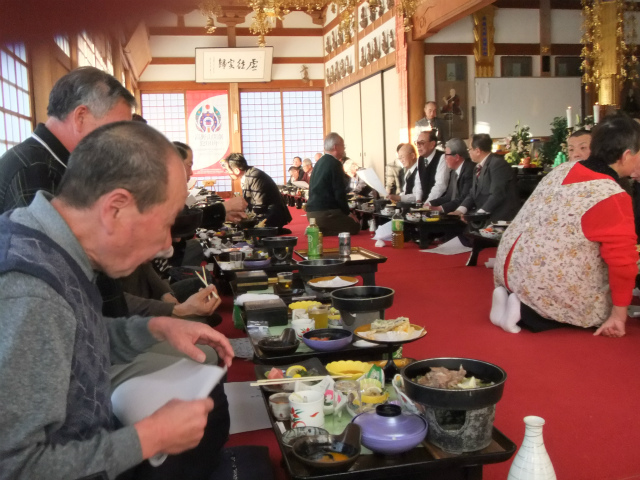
[[569, 256]]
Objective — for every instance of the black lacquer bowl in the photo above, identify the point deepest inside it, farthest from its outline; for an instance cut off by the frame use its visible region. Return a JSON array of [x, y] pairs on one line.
[[284, 344], [455, 399]]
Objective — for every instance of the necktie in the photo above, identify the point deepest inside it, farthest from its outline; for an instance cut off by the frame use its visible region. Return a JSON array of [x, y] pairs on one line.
[[478, 169], [453, 184]]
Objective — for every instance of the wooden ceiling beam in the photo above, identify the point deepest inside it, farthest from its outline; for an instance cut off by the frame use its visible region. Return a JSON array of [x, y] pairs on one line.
[[433, 15], [200, 31]]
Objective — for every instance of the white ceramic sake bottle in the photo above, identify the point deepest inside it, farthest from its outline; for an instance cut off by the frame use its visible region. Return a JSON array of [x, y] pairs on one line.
[[532, 461]]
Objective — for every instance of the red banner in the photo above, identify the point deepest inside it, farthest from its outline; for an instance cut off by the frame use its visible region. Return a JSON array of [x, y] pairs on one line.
[[208, 130]]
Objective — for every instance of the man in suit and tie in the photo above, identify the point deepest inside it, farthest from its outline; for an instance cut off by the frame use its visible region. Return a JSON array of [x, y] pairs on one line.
[[460, 180], [430, 122], [432, 168], [412, 190], [494, 184]]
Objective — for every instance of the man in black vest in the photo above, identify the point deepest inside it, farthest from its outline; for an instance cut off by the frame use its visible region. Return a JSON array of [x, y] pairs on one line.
[[461, 178], [411, 190], [432, 168]]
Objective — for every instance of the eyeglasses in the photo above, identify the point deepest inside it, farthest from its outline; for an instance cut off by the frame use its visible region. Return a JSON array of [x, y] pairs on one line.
[[420, 143], [450, 154]]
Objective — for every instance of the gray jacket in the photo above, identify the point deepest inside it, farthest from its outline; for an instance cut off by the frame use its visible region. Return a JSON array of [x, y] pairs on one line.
[[36, 347]]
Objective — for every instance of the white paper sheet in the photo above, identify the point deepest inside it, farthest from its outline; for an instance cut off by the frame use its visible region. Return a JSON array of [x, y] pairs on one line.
[[371, 178], [246, 408], [301, 184], [139, 397], [452, 247]]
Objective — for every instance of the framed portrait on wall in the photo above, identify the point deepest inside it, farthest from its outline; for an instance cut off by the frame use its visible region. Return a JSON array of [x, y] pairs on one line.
[[451, 95]]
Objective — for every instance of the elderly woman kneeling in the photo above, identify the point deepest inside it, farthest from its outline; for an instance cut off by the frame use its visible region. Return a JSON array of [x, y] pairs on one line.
[[569, 256]]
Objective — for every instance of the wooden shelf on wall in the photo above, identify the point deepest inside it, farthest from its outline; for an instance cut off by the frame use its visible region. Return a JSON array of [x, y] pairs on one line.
[[379, 65]]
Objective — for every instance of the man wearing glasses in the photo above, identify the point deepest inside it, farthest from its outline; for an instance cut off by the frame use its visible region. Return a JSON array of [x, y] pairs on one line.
[[460, 180], [494, 183]]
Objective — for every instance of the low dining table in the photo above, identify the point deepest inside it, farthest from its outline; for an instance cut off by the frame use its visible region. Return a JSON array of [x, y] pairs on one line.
[[424, 461]]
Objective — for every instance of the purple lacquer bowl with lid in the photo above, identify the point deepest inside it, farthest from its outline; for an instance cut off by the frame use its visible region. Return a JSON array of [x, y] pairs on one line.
[[390, 431]]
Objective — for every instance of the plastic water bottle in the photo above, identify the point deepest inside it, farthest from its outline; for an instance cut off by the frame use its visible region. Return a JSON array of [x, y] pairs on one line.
[[313, 239], [397, 230], [372, 227]]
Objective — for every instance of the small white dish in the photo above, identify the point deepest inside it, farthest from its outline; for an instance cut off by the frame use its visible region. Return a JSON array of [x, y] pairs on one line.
[[364, 344]]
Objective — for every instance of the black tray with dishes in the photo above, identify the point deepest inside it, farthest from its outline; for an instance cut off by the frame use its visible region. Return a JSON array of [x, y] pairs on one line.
[[358, 255]]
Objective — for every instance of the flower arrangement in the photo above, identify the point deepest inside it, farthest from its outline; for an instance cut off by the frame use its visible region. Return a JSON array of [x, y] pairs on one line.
[[518, 143]]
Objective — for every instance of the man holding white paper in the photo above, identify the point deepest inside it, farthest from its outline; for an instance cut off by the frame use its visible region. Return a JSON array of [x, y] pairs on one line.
[[124, 186], [411, 189]]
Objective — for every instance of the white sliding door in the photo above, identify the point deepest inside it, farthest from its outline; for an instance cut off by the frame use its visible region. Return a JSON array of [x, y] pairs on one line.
[[352, 122], [373, 153], [392, 134], [337, 113]]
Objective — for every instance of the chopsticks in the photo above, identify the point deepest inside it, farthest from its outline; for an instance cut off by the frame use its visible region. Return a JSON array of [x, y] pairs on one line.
[[277, 381], [203, 279]]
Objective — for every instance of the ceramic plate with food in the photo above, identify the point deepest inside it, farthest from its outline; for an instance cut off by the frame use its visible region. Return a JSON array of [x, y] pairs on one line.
[[310, 367], [397, 330], [333, 281]]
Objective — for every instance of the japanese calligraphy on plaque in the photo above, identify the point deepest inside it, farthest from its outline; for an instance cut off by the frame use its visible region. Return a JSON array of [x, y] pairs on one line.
[[233, 64]]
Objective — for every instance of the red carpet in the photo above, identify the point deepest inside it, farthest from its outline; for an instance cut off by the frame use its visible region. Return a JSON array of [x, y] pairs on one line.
[[585, 387]]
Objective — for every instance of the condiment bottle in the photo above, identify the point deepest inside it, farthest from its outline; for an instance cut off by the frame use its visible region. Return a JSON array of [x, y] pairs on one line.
[[397, 230], [313, 239]]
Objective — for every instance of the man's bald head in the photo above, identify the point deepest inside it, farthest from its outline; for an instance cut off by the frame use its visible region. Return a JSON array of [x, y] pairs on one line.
[[407, 155]]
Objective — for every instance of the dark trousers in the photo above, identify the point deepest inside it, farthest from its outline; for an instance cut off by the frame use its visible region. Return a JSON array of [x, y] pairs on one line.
[[199, 462], [333, 222]]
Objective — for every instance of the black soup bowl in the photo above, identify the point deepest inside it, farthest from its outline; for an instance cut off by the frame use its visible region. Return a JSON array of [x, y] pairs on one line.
[[284, 344], [329, 453]]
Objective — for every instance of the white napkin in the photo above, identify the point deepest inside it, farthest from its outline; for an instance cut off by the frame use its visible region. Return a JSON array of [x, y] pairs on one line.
[[383, 232], [250, 297]]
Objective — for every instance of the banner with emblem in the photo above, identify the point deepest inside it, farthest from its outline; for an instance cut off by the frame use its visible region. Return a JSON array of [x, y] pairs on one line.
[[208, 130]]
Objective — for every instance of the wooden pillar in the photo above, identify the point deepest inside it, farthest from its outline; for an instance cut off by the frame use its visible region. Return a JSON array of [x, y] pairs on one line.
[[41, 73], [610, 66], [545, 38], [231, 36], [403, 79], [416, 82], [236, 136], [230, 18]]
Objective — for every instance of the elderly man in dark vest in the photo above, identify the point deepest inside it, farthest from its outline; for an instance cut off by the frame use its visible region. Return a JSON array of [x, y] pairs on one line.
[[432, 168], [123, 188]]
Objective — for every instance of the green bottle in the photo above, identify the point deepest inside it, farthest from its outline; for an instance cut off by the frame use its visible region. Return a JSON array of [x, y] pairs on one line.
[[313, 238]]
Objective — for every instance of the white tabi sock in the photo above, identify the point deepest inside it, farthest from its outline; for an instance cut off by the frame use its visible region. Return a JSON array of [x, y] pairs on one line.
[[498, 305], [511, 315]]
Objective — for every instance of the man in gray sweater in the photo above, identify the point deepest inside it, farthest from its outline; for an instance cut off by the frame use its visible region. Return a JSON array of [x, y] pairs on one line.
[[124, 186]]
